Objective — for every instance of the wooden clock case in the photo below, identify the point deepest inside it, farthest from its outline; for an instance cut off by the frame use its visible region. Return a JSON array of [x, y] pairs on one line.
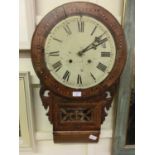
[[76, 119]]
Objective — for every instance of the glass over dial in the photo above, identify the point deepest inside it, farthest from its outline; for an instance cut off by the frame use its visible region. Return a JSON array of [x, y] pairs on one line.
[[80, 52]]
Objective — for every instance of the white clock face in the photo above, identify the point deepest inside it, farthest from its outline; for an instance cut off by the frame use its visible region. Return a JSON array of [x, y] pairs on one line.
[[80, 52]]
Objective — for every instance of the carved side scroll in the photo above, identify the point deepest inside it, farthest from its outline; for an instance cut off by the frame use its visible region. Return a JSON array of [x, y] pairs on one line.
[[108, 98], [46, 98]]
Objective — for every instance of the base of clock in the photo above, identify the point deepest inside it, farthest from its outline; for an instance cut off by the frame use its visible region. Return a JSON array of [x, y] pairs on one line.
[[76, 121], [76, 136]]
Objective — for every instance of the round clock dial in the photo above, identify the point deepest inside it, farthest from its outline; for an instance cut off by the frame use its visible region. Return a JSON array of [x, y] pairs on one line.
[[79, 52]]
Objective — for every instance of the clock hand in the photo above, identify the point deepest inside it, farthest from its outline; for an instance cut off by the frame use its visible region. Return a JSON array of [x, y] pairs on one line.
[[90, 46], [93, 45]]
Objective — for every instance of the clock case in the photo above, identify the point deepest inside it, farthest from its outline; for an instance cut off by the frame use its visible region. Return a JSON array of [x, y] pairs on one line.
[[76, 118]]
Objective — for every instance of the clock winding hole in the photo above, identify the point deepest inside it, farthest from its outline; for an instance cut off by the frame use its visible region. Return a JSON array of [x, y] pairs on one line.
[[70, 60], [89, 61]]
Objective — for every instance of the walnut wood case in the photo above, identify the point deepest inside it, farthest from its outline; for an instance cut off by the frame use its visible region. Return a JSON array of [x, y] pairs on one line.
[[76, 119]]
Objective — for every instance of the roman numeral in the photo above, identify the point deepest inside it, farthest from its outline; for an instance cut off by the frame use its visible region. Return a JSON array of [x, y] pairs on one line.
[[60, 41], [66, 75], [56, 53], [79, 79], [105, 54], [67, 29], [93, 76], [80, 26], [57, 65], [101, 67], [93, 30]]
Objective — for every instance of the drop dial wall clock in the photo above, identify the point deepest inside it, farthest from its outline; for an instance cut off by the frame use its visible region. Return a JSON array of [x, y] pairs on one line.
[[78, 52]]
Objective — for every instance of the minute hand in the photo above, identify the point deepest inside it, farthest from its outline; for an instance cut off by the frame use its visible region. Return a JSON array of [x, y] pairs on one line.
[[93, 45]]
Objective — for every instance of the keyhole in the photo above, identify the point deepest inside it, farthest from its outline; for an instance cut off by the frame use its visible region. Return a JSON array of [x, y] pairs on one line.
[[70, 60]]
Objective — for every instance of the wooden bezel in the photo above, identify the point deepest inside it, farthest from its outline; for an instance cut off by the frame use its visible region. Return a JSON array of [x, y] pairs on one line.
[[48, 23]]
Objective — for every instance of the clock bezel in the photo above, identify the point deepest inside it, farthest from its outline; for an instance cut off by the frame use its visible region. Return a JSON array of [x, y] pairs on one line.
[[44, 28]]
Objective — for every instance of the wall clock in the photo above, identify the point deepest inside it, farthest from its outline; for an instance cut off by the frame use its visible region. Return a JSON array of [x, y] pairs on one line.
[[78, 52]]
